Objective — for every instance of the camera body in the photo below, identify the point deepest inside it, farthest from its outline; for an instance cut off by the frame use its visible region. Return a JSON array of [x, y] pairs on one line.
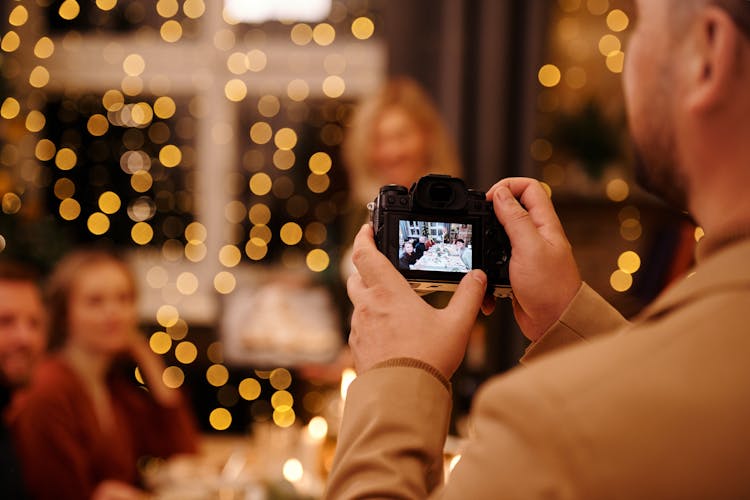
[[437, 231]]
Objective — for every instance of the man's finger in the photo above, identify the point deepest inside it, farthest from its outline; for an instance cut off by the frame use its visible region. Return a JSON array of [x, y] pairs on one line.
[[467, 298], [514, 218], [372, 265]]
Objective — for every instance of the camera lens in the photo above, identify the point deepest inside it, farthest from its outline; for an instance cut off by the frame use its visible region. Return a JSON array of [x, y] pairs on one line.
[[441, 193]]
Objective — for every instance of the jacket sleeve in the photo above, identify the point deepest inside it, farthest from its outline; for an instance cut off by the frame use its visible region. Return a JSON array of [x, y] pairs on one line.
[[587, 316], [55, 463], [390, 444]]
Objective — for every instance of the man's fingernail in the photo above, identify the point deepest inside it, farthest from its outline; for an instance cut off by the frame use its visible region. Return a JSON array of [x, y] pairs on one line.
[[479, 277]]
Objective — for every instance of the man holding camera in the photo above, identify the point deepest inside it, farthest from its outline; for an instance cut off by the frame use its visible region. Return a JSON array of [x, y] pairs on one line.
[[656, 408]]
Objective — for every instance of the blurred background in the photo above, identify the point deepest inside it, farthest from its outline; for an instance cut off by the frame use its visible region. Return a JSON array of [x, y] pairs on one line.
[[202, 137]]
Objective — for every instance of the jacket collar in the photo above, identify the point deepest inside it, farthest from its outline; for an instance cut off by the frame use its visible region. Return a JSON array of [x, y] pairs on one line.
[[725, 268]]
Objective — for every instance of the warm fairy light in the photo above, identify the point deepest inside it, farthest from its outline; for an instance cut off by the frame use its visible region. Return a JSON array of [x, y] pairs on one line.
[[284, 159], [64, 188], [224, 282], [283, 186], [141, 181], [69, 10], [35, 121], [97, 125], [334, 86], [44, 48], [609, 43], [234, 211], [186, 352], [237, 63], [164, 107], [170, 156], [256, 60], [259, 214], [113, 100], [196, 232], [194, 8], [324, 34], [363, 28], [167, 8], [316, 233], [291, 233], [179, 330], [576, 77], [39, 77], [261, 132], [285, 138], [142, 233], [260, 184], [318, 183], [195, 252], [597, 7], [173, 377], [549, 75], [284, 416], [317, 428], [171, 31], [217, 375], [317, 260], [229, 256], [10, 42], [617, 190], [249, 389], [133, 65], [631, 229], [10, 108], [269, 106], [292, 470], [617, 20], [167, 315], [11, 203], [220, 419], [616, 61], [235, 90], [18, 16], [160, 342], [280, 379], [98, 223], [187, 283], [70, 209], [298, 90], [620, 281], [347, 377], [629, 262], [106, 5], [261, 232], [256, 249], [301, 34]]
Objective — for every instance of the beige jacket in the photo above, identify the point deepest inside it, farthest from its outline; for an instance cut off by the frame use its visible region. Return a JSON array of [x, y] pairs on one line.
[[656, 409]]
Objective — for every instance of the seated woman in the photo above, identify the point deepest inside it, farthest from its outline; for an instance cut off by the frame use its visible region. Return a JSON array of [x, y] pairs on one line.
[[83, 425]]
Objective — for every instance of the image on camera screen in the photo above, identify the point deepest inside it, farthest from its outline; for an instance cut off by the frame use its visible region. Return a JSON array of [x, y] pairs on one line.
[[434, 246]]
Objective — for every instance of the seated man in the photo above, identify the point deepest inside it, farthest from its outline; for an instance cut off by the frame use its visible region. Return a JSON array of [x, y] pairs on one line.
[[656, 408], [22, 341]]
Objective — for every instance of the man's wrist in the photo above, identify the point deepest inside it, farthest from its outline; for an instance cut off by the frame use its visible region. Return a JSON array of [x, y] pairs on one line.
[[415, 363]]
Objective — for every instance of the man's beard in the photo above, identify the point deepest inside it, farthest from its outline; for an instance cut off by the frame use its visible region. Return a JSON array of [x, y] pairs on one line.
[[656, 168]]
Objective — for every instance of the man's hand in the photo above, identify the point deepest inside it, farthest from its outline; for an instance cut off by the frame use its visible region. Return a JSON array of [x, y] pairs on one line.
[[391, 321], [543, 272]]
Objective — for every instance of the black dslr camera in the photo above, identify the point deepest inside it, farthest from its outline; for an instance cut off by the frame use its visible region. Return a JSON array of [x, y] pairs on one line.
[[437, 231]]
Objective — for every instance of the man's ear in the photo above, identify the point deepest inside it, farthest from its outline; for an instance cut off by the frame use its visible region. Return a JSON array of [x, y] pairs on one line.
[[713, 54]]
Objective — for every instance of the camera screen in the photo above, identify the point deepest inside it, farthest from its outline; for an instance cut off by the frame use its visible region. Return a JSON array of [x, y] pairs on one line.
[[434, 246]]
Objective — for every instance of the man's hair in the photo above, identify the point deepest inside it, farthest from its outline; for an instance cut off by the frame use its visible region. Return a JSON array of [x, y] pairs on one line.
[[18, 272]]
